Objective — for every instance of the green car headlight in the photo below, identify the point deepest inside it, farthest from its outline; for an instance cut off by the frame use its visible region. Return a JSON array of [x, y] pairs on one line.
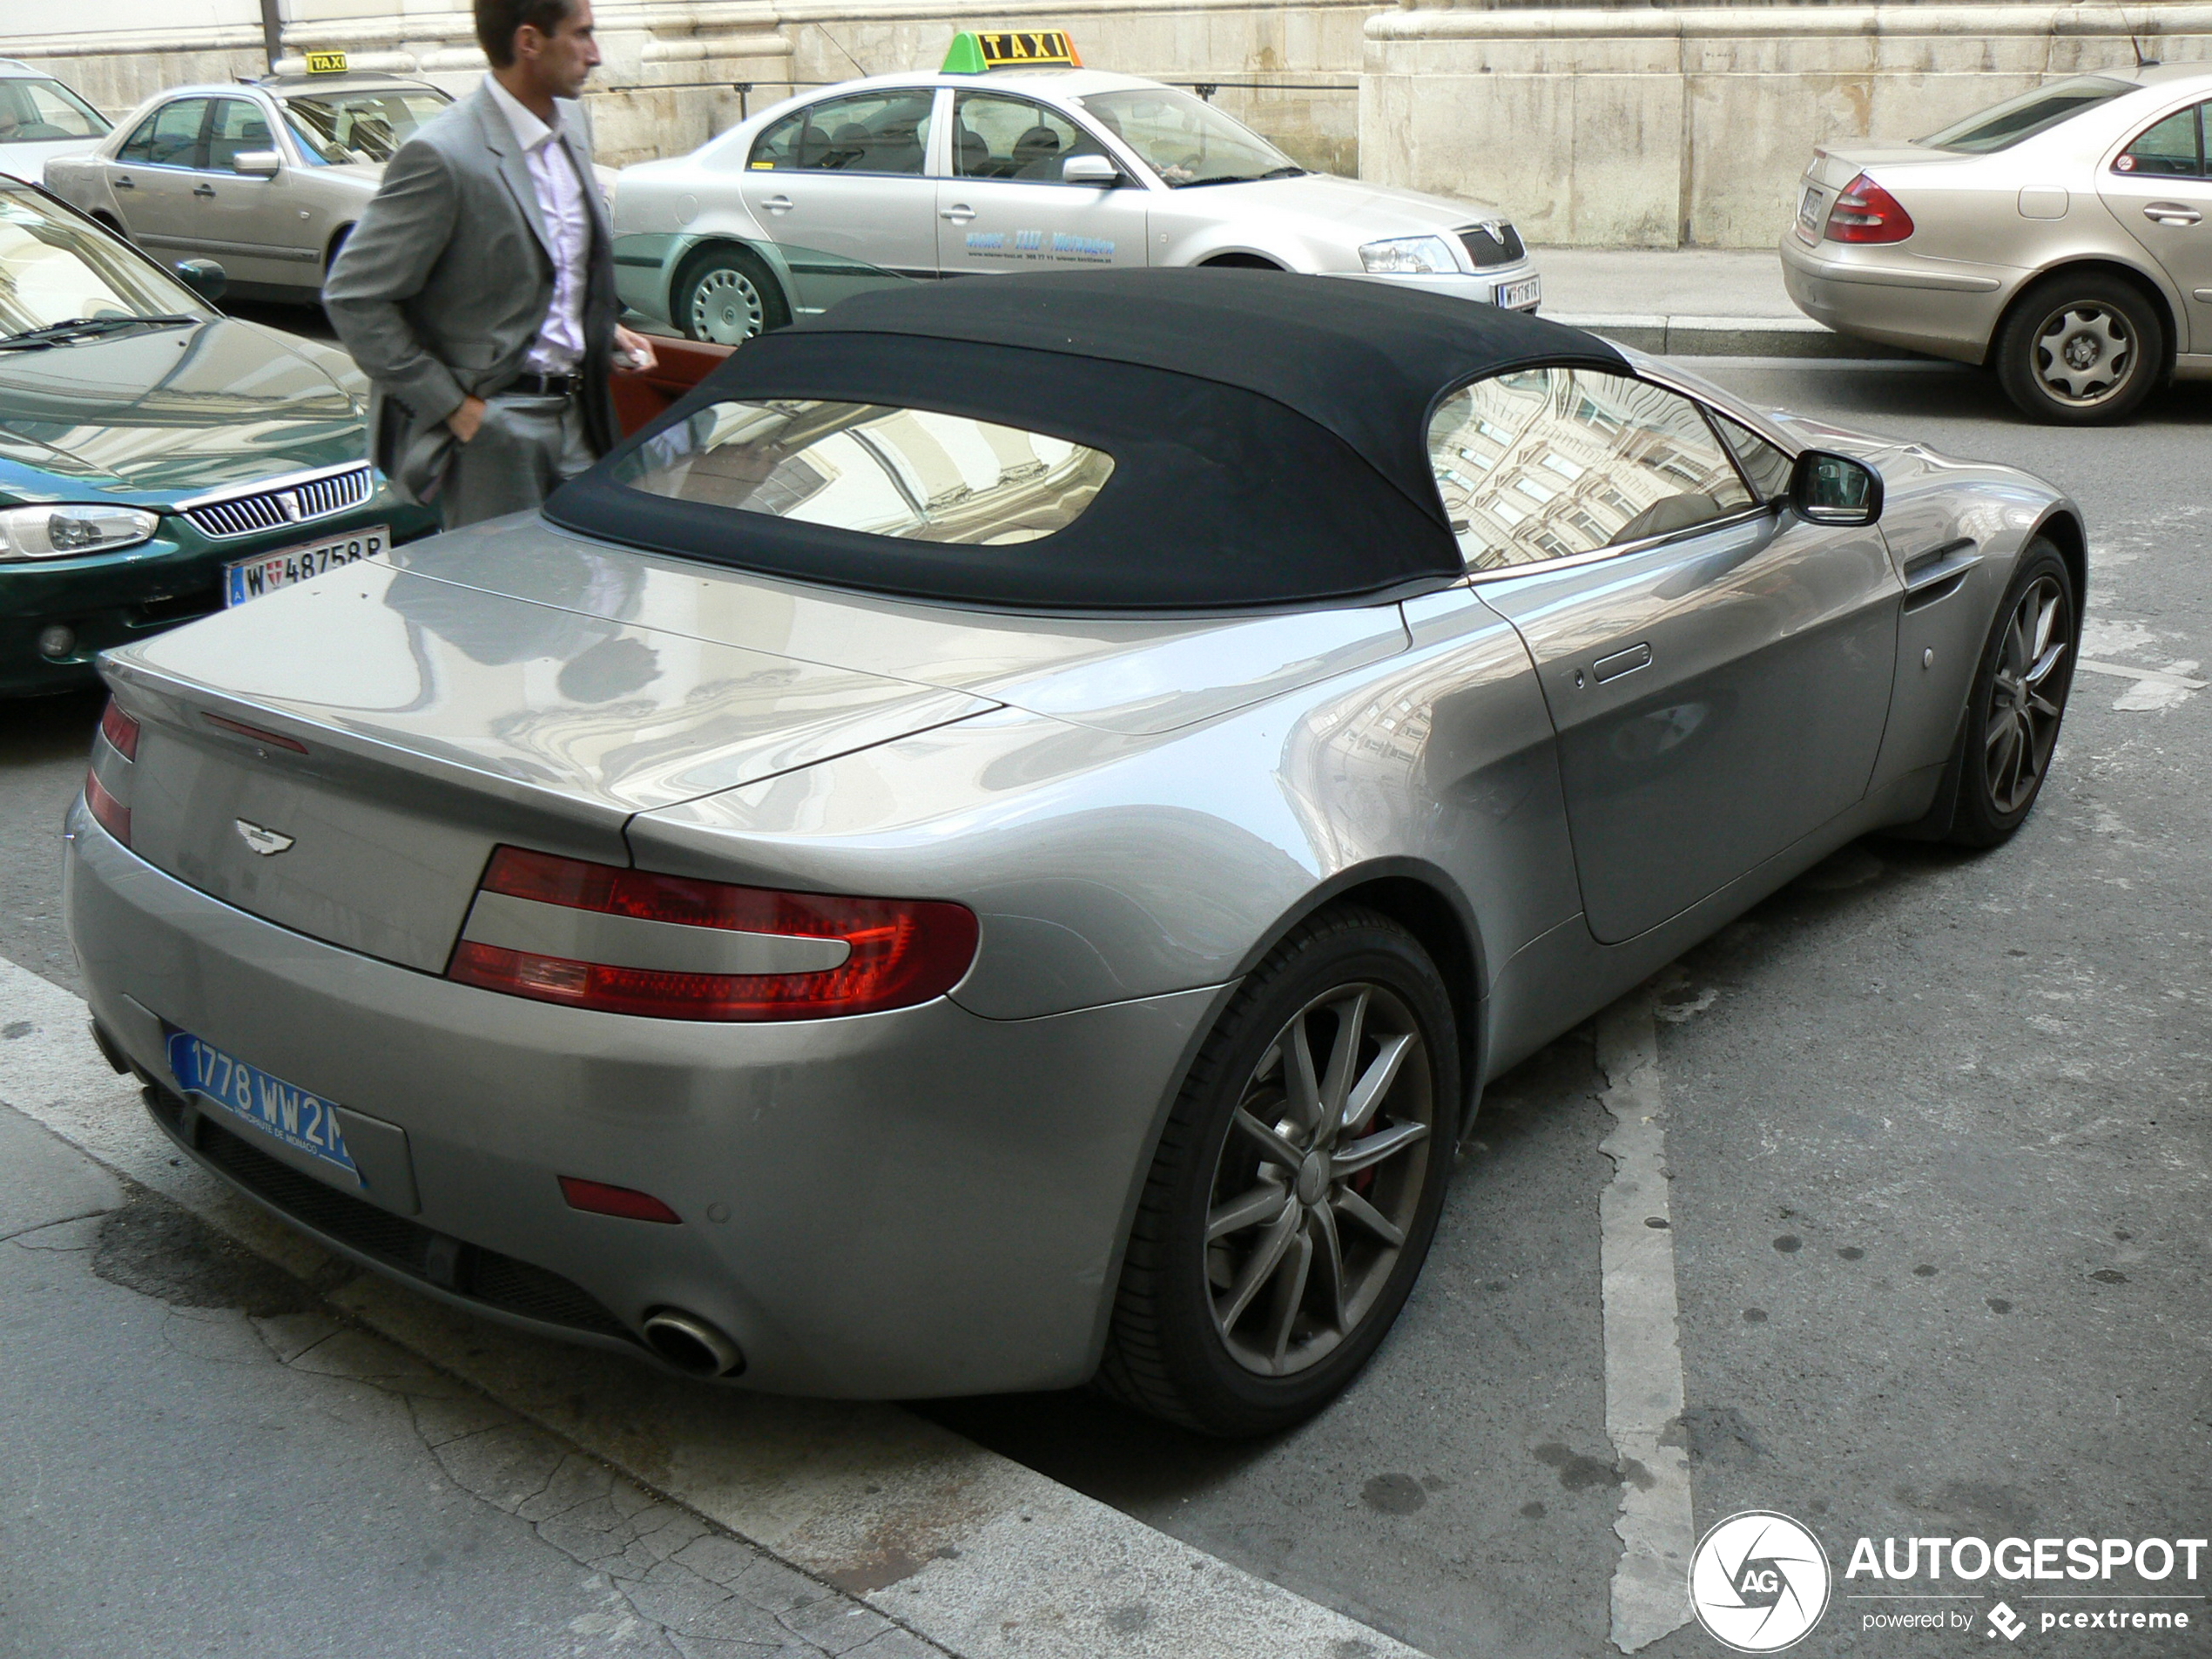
[[66, 530], [1409, 256]]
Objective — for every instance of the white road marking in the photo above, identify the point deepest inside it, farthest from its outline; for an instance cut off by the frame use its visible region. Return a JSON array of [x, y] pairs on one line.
[[969, 1549], [2159, 676], [1644, 1386]]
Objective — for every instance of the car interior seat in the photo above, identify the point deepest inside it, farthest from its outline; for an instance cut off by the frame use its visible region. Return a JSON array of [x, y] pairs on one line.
[[1036, 154], [848, 146]]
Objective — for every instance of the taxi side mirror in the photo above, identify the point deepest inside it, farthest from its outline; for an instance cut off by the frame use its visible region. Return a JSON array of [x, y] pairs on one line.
[[1829, 489], [1090, 170], [257, 164], [205, 277]]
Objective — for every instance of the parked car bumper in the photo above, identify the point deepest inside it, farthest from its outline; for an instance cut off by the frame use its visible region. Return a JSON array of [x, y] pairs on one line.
[[1944, 307]]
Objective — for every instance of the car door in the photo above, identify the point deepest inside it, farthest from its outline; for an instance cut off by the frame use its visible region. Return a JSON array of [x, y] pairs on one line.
[[849, 176], [250, 223], [1717, 671], [152, 176], [1004, 206], [2159, 187]]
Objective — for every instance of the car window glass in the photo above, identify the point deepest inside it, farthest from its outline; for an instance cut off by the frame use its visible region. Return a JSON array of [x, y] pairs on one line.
[[2003, 126], [879, 132], [1185, 139], [912, 474], [168, 137], [54, 268], [33, 112], [368, 125], [1548, 463], [2172, 148], [1768, 468], [994, 137], [240, 127]]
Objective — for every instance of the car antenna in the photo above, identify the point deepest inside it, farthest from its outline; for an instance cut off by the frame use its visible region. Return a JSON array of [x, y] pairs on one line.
[[2141, 62]]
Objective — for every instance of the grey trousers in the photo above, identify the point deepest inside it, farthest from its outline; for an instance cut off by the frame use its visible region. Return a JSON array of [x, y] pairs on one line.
[[526, 445]]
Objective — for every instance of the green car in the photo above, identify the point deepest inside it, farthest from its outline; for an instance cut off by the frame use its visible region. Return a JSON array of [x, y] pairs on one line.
[[157, 459]]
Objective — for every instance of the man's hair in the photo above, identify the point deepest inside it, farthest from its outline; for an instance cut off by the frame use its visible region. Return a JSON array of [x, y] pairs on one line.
[[497, 20]]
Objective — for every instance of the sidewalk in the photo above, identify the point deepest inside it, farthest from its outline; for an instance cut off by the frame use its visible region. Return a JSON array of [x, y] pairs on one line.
[[1689, 302]]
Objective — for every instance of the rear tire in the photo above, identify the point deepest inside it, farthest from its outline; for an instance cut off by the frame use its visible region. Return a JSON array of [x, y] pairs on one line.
[[1291, 1201], [2080, 350], [726, 294]]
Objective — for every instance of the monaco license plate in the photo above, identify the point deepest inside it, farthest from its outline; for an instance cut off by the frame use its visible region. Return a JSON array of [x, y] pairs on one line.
[[1808, 213], [266, 572], [305, 1122], [1522, 295]]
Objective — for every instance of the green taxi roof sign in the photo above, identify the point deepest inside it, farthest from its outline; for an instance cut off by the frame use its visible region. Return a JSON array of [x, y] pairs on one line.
[[975, 50]]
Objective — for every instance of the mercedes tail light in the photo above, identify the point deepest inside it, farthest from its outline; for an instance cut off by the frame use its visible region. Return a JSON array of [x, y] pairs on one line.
[[875, 954], [119, 733], [1863, 211]]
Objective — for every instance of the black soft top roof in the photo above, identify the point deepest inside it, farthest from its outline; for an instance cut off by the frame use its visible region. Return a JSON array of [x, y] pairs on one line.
[[1269, 432]]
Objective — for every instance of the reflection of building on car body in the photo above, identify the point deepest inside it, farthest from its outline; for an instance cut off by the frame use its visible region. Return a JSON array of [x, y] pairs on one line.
[[986, 168], [2058, 237], [157, 459]]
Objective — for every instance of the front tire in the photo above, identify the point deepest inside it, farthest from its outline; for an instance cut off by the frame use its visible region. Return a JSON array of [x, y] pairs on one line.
[[2017, 702], [1297, 1184], [726, 294], [2080, 350]]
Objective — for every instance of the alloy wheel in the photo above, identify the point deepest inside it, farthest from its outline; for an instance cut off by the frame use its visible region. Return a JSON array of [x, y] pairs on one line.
[[725, 307], [2084, 354], [1318, 1179], [2027, 696]]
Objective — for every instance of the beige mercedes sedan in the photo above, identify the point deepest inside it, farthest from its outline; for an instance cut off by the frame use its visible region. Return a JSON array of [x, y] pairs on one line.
[[2059, 239]]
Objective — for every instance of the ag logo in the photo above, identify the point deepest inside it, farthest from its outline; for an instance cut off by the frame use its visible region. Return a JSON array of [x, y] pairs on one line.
[[1758, 1581]]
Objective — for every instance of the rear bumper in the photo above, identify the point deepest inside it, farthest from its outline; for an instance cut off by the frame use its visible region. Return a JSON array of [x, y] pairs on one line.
[[919, 1202], [1942, 307]]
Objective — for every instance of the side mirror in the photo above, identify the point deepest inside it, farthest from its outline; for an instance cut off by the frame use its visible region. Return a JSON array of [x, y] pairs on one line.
[[1090, 170], [205, 277], [257, 164], [1829, 489]]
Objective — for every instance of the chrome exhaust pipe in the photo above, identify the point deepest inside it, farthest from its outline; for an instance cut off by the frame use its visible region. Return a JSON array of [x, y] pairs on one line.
[[691, 1345]]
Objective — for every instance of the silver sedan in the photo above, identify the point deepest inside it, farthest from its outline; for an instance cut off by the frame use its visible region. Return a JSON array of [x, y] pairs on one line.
[[974, 855], [2061, 238]]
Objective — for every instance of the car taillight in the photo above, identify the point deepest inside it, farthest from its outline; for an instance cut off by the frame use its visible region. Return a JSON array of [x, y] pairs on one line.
[[112, 815], [119, 733], [120, 730], [901, 951], [1863, 211], [604, 1200]]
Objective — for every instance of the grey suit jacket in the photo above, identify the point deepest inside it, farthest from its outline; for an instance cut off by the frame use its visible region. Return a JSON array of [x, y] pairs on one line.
[[444, 283]]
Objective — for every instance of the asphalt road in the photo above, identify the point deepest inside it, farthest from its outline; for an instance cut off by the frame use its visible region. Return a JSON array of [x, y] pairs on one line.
[[1939, 1133]]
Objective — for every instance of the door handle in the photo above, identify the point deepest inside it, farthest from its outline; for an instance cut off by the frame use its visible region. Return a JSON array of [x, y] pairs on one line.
[[1622, 661], [122, 182], [207, 191], [778, 204], [959, 213], [2171, 213]]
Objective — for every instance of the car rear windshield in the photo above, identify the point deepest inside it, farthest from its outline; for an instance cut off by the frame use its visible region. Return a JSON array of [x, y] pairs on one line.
[[365, 125], [2008, 124], [909, 474], [39, 111]]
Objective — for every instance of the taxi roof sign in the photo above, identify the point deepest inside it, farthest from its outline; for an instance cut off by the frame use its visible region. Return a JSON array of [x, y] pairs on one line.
[[975, 50], [325, 62]]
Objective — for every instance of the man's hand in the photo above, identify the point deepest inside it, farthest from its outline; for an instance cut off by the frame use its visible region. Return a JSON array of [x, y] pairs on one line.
[[464, 421], [633, 351]]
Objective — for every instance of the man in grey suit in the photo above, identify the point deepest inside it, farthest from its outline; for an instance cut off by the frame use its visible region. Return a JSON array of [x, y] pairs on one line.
[[477, 292]]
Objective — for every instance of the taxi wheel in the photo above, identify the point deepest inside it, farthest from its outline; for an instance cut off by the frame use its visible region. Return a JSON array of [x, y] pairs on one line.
[[1296, 1187], [726, 295], [2081, 351]]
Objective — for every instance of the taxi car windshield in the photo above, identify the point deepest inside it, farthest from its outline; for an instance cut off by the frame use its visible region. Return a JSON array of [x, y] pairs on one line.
[[1186, 140], [56, 269], [369, 125], [2017, 119], [38, 112], [911, 474]]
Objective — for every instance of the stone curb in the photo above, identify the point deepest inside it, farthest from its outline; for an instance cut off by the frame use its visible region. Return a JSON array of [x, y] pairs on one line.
[[1687, 336]]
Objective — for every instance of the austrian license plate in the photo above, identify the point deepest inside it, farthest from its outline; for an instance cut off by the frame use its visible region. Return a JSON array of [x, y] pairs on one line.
[[305, 1122], [1808, 213], [266, 572], [1522, 295]]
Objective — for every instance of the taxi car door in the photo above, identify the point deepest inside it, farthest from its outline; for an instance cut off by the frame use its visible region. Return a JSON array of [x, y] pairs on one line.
[[1717, 671], [1004, 206], [152, 176], [249, 223], [2160, 187], [849, 175]]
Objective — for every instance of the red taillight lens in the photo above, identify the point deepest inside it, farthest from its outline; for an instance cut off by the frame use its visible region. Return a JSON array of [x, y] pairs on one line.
[[121, 731], [903, 951], [604, 1200], [112, 815], [1863, 211]]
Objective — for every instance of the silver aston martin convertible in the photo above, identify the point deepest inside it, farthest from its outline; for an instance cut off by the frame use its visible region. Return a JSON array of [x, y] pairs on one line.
[[997, 842]]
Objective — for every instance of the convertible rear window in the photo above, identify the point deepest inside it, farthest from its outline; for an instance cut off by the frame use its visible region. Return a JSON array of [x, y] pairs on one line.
[[913, 474], [2005, 125]]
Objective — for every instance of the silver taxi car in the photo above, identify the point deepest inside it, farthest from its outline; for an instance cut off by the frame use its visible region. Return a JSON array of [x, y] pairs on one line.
[[2058, 238], [1006, 170], [267, 178]]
